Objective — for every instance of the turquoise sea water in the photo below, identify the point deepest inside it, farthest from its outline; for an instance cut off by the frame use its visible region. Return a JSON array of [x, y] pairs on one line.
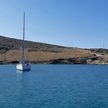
[[54, 86]]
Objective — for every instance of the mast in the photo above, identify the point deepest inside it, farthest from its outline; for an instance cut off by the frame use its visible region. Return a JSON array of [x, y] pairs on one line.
[[23, 43]]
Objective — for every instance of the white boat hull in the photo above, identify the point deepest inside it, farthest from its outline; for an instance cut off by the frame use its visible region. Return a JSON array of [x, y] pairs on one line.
[[23, 67]]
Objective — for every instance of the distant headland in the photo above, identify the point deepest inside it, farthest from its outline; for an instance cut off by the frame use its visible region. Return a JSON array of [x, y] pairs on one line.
[[42, 53]]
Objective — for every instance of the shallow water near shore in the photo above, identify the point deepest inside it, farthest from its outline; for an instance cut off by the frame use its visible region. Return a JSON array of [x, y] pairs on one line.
[[54, 86]]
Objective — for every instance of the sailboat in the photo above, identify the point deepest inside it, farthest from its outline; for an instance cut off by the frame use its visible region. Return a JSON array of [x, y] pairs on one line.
[[23, 64]]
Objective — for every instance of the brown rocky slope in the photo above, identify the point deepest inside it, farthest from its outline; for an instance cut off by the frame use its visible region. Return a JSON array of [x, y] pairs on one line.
[[10, 52]]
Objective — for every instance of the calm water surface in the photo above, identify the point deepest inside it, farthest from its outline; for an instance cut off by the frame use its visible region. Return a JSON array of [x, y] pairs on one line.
[[54, 86]]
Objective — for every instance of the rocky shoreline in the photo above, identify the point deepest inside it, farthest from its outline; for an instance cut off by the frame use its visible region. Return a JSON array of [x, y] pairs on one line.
[[42, 53], [78, 60]]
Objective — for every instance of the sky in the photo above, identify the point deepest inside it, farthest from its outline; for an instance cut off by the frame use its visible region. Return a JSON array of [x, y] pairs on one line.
[[73, 23]]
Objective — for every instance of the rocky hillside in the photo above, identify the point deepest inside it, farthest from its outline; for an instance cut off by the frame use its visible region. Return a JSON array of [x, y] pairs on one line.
[[10, 52]]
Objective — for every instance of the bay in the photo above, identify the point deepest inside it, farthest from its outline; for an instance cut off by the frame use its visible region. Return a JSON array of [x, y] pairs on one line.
[[54, 86]]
